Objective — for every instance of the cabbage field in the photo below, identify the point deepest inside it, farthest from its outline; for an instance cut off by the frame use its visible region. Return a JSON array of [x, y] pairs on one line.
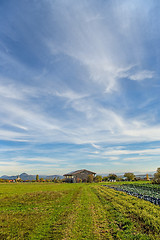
[[148, 192]]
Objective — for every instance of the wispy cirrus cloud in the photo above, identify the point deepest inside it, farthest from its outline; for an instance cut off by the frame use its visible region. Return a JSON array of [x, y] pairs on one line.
[[70, 83], [152, 151], [142, 75]]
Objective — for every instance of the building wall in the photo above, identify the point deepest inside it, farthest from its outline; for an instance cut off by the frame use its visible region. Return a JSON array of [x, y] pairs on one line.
[[70, 179], [83, 175], [78, 176]]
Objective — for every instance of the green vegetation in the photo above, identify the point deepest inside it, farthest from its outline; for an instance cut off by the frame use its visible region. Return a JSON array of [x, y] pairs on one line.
[[129, 176], [104, 179], [98, 178], [157, 177], [112, 176], [90, 178], [74, 211], [148, 192], [37, 178]]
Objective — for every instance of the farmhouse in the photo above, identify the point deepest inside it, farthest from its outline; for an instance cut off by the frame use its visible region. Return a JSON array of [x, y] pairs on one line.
[[77, 176]]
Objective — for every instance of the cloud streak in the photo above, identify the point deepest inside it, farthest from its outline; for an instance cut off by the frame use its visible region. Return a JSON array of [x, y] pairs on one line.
[[77, 78]]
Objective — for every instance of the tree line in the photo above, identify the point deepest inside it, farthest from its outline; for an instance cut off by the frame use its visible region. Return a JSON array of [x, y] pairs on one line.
[[111, 177]]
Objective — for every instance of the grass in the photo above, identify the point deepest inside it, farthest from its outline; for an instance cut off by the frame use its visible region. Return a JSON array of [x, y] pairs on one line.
[[74, 211]]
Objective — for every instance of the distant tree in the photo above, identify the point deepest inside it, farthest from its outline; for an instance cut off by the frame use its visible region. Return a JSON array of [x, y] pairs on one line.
[[90, 178], [157, 177], [98, 178], [147, 177], [48, 180], [41, 180], [104, 179], [37, 178], [119, 179], [56, 179], [4, 180], [129, 176], [112, 176]]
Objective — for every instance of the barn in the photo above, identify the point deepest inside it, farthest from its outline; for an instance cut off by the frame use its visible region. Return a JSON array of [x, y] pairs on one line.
[[78, 175]]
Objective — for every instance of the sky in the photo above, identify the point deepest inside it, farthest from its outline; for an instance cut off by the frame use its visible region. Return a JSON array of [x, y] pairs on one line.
[[79, 86]]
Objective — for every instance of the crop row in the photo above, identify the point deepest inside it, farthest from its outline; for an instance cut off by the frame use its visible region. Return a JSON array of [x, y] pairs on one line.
[[146, 192], [128, 217]]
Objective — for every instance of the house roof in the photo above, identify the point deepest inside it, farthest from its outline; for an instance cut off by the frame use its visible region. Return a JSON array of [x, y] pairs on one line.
[[78, 171]]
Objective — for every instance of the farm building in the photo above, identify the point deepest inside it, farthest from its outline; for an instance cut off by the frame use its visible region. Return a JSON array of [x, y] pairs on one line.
[[77, 176]]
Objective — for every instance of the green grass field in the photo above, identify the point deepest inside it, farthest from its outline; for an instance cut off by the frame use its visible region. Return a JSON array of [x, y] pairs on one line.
[[74, 211]]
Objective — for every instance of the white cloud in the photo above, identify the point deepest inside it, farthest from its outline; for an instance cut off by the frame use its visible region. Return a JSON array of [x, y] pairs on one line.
[[142, 75], [142, 158], [40, 159], [95, 146], [70, 95], [107, 55], [8, 149], [93, 164], [79, 92], [114, 152], [4, 163], [113, 158]]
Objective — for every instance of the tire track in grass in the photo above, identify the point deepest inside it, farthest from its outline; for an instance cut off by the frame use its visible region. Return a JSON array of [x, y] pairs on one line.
[[83, 225], [78, 222], [89, 221], [135, 210], [69, 217], [100, 222]]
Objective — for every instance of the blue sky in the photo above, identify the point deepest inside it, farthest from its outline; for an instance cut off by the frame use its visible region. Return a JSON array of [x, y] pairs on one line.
[[79, 86]]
